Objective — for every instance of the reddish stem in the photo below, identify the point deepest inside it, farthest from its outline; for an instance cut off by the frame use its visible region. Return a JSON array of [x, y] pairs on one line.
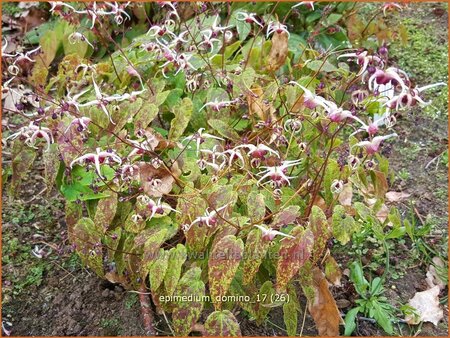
[[147, 315]]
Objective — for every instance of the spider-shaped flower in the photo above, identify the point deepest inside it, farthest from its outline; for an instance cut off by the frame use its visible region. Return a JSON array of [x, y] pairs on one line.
[[234, 155], [374, 145], [81, 124], [99, 157], [248, 17], [210, 218], [410, 98], [128, 171], [117, 10], [269, 234], [200, 136], [217, 105], [32, 133], [391, 75], [209, 40], [277, 174], [337, 114], [276, 27], [155, 207], [310, 100], [18, 58], [391, 6], [217, 158], [79, 37], [308, 4], [337, 186], [259, 151], [363, 60]]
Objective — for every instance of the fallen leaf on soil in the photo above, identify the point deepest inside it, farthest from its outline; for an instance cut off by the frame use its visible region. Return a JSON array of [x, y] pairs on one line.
[[278, 52], [396, 196], [382, 214], [433, 279], [427, 306], [323, 308]]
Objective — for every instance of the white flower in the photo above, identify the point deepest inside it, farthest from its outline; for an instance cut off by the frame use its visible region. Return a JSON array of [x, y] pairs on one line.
[[217, 105], [210, 218], [363, 60], [97, 158], [200, 137], [248, 17], [269, 234], [32, 133], [337, 186], [80, 122], [78, 37], [310, 100], [277, 174], [258, 151], [158, 207], [309, 4], [373, 146], [276, 27]]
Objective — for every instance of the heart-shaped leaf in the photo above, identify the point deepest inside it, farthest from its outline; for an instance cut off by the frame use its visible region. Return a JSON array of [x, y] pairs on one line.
[[222, 324]]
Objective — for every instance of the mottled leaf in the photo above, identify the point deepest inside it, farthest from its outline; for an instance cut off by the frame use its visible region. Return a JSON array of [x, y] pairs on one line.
[[322, 231], [105, 212], [294, 252], [73, 213], [22, 159], [343, 225], [256, 206], [223, 263], [51, 166], [254, 253], [145, 116], [286, 216], [158, 269], [187, 313], [332, 271], [87, 240], [290, 312], [177, 257], [222, 324], [183, 113]]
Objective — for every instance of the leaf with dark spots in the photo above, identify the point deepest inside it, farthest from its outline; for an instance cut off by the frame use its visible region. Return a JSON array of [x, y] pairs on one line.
[[255, 251], [105, 212], [22, 160], [294, 252], [73, 213], [158, 269], [223, 263], [183, 113], [224, 129], [290, 312], [187, 313], [343, 225], [177, 257], [145, 116], [87, 240], [256, 206], [51, 166], [222, 324], [322, 231], [332, 271], [286, 216], [126, 111]]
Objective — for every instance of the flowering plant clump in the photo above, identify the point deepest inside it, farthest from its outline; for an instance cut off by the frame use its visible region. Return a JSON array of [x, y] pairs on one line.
[[214, 150]]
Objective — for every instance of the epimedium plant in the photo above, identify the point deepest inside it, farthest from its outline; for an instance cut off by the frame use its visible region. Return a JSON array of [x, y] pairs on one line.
[[209, 153]]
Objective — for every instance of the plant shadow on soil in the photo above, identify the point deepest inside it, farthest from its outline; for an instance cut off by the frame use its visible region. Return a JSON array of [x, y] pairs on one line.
[[57, 296]]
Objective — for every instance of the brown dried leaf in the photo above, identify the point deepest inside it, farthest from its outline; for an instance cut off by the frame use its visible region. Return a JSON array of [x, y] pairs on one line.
[[279, 51], [433, 276], [256, 105], [396, 196], [346, 195], [427, 306], [323, 307], [149, 174]]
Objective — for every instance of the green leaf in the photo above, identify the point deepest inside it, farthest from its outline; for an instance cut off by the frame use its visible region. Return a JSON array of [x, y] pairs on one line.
[[145, 116], [290, 313], [223, 263], [183, 113], [343, 225], [223, 128], [76, 191], [222, 324], [324, 66], [177, 257], [350, 321], [357, 277]]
